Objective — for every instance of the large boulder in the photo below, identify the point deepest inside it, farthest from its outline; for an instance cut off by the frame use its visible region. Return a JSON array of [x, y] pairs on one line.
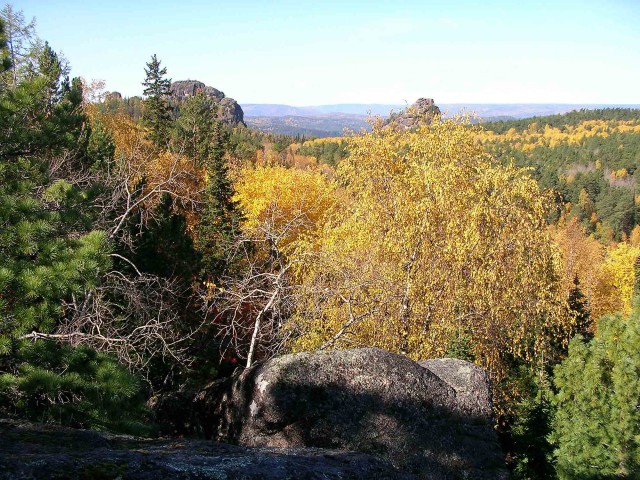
[[364, 400], [228, 110], [469, 381], [41, 452]]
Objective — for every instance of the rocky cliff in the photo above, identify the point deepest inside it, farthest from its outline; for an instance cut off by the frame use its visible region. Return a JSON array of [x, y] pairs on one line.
[[228, 110]]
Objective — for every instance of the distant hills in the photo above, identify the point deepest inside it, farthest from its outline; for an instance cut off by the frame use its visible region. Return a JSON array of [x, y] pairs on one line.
[[332, 120], [277, 110]]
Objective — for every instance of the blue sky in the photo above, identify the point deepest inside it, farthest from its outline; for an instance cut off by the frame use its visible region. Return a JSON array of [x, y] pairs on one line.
[[325, 52]]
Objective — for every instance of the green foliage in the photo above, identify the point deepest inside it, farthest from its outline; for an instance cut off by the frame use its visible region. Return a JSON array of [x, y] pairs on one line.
[[530, 427], [50, 254], [202, 138], [157, 111], [5, 60], [596, 429], [579, 307], [329, 152], [582, 172], [78, 387], [561, 120], [163, 247], [46, 252]]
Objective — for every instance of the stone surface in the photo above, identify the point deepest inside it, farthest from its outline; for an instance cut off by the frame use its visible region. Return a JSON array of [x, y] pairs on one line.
[[39, 452], [229, 111], [422, 112], [470, 382], [365, 400], [110, 96]]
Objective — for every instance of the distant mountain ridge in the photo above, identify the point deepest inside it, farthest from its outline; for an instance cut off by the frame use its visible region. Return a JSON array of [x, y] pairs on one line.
[[278, 110], [514, 110], [332, 120]]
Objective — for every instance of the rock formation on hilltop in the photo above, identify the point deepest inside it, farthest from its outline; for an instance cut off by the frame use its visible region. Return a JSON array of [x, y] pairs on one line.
[[228, 110], [434, 423], [112, 96], [420, 113]]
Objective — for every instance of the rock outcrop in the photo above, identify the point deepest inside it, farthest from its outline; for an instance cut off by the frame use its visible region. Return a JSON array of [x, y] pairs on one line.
[[112, 96], [470, 382], [39, 452], [228, 111], [420, 419], [420, 113]]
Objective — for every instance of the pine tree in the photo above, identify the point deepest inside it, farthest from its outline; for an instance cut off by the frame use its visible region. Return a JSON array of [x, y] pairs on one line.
[[596, 429], [203, 139], [157, 111], [5, 60], [52, 258], [579, 307], [46, 253]]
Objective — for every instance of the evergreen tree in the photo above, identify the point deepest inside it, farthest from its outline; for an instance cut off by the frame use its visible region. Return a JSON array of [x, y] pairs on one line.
[[596, 429], [50, 256], [530, 427], [163, 247], [46, 253], [203, 139], [157, 111], [578, 305], [79, 387], [5, 60]]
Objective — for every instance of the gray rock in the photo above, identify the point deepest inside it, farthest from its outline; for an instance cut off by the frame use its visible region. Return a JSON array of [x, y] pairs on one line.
[[228, 110], [470, 382], [39, 452], [422, 112], [365, 400], [110, 96]]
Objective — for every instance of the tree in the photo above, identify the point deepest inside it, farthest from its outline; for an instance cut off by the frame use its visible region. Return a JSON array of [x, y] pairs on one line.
[[597, 424], [582, 257], [157, 111], [435, 242], [284, 212], [615, 281], [5, 60], [20, 36], [51, 258], [47, 253], [202, 139]]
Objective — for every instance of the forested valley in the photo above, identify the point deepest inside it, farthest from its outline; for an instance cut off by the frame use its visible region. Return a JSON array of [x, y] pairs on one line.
[[147, 248]]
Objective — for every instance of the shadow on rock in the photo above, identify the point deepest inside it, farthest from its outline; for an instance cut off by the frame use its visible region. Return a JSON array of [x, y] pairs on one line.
[[365, 400]]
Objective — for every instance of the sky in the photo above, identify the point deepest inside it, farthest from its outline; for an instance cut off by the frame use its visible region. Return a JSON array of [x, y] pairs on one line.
[[329, 52]]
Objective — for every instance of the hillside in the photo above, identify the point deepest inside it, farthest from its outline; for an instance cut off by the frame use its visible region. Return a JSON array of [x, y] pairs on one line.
[[589, 158], [309, 126]]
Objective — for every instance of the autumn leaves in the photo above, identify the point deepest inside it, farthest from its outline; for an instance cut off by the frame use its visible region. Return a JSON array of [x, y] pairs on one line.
[[419, 239]]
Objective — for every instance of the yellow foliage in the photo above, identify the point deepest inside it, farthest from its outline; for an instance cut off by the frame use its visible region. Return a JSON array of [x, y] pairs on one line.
[[535, 135], [289, 204], [634, 237], [137, 159], [582, 256], [437, 241], [615, 281]]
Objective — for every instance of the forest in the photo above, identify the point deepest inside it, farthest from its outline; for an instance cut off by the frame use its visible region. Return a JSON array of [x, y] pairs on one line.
[[148, 248]]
